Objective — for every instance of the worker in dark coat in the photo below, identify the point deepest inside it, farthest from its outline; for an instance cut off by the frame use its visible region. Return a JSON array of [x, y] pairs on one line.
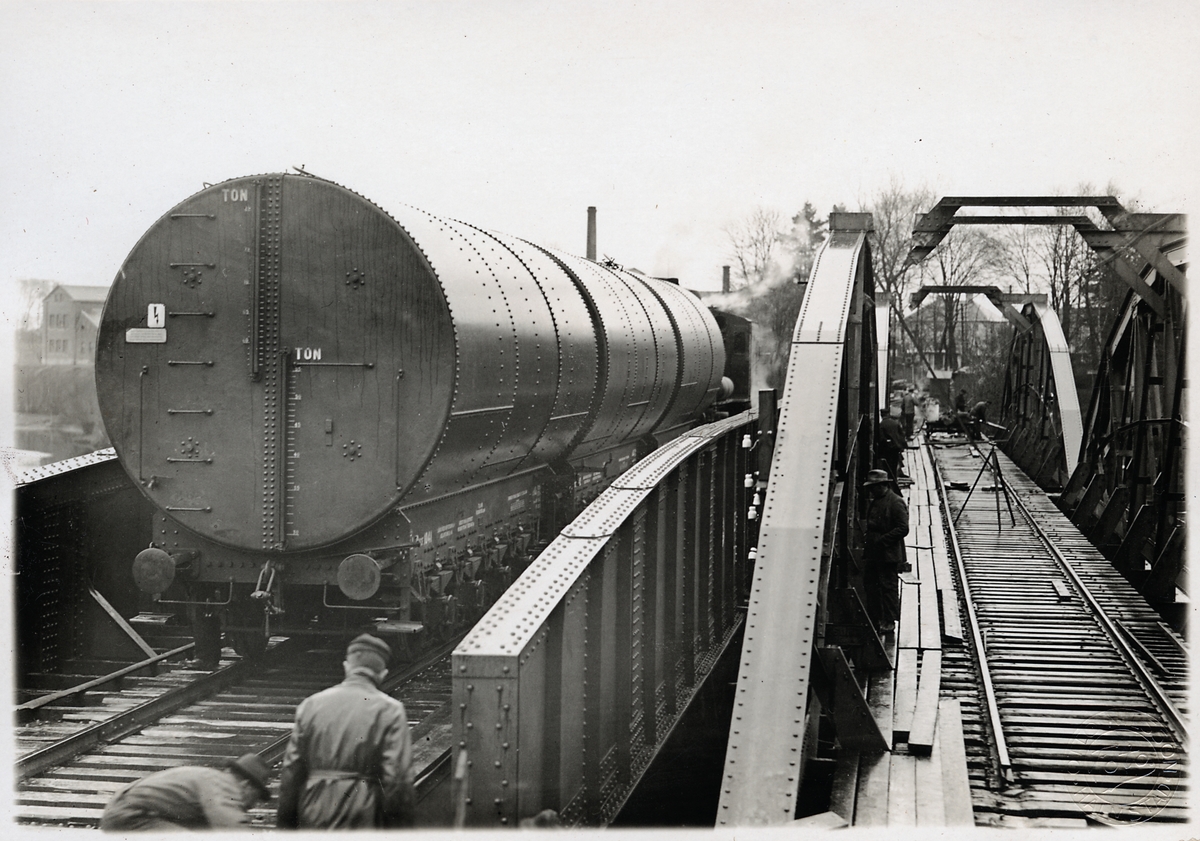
[[189, 797], [908, 411], [349, 762], [883, 555], [978, 419], [890, 444]]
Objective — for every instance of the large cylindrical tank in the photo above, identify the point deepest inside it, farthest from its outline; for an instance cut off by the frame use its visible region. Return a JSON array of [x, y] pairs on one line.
[[280, 362]]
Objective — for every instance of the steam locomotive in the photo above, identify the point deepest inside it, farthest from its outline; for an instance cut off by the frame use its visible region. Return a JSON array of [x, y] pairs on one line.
[[345, 417]]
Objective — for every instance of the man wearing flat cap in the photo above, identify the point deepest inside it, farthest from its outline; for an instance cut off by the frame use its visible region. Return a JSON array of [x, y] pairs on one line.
[[348, 764], [189, 797], [885, 527]]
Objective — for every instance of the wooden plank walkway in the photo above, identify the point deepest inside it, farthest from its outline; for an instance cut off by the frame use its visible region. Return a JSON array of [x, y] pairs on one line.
[[922, 781]]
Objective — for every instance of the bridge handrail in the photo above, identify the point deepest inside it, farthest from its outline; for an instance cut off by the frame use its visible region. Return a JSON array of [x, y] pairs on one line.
[[567, 687], [515, 619]]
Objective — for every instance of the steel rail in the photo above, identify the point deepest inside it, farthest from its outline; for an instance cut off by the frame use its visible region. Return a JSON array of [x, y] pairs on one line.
[[43, 700], [1139, 670], [273, 751], [49, 802], [135, 719], [985, 674]]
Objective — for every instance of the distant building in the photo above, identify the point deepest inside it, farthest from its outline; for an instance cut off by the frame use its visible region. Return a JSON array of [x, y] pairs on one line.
[[980, 332], [57, 414], [70, 320]]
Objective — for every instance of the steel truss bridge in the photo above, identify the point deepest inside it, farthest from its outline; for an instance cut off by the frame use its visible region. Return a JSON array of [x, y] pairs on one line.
[[568, 688], [743, 538]]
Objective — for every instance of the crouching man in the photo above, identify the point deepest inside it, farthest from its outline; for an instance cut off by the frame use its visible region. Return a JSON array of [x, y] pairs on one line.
[[189, 797]]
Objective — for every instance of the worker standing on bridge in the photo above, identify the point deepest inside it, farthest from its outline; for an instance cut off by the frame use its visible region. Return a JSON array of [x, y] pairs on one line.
[[890, 444], [908, 411], [979, 419], [189, 797], [883, 556], [348, 764]]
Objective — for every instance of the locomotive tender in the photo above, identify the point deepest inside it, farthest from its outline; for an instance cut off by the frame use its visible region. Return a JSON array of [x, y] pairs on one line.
[[345, 416]]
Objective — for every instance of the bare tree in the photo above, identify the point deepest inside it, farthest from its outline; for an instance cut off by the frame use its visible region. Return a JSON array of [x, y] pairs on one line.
[[753, 242], [1016, 258], [894, 209], [965, 257], [774, 260]]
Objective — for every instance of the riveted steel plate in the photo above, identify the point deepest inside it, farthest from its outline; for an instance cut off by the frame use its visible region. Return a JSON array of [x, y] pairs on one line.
[[663, 367], [830, 289], [630, 376], [515, 618], [763, 761], [292, 307], [568, 352], [702, 353], [36, 474]]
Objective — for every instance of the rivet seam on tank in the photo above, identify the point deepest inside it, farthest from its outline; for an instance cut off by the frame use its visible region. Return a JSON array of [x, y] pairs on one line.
[[433, 457], [507, 418], [270, 242]]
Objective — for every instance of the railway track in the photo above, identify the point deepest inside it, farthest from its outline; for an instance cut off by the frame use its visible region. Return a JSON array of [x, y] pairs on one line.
[[1080, 689], [185, 717]]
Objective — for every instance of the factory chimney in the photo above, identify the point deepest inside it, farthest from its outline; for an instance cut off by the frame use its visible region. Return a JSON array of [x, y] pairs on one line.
[[591, 242], [725, 279]]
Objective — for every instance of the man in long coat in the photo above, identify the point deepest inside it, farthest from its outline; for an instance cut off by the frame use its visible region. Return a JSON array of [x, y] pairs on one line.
[[890, 444], [189, 797], [349, 761], [885, 526], [908, 411]]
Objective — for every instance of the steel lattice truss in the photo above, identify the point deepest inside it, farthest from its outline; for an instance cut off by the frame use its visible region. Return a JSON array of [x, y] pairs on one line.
[[1126, 490]]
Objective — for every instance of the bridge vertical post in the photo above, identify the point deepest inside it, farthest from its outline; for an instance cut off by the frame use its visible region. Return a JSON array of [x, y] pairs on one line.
[[721, 538], [572, 669], [704, 550], [652, 658], [593, 693], [1144, 469], [552, 725], [622, 641], [737, 509], [672, 558], [688, 571], [730, 480]]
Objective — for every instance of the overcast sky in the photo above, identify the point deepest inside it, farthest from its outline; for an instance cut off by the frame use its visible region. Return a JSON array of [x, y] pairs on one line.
[[674, 119]]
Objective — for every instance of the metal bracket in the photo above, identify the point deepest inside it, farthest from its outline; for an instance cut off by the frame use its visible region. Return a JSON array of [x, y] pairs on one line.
[[228, 599], [856, 726], [376, 608]]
